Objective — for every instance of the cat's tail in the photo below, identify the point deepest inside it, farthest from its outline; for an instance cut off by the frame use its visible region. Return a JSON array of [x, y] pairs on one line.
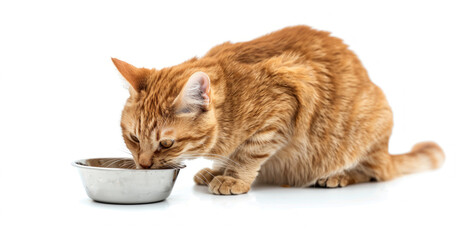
[[423, 156]]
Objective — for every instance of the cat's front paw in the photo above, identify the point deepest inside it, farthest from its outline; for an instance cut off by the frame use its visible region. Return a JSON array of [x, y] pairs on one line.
[[225, 185], [205, 176]]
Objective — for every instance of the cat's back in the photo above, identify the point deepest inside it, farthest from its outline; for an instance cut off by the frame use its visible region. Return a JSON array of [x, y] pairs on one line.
[[308, 43]]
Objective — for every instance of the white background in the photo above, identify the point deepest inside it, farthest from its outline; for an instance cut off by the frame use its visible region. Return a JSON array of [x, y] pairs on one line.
[[61, 100]]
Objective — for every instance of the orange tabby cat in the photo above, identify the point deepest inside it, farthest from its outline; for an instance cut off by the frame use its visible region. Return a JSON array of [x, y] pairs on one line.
[[293, 107]]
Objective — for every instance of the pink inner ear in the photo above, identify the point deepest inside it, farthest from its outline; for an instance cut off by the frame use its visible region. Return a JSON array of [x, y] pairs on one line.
[[203, 81], [196, 94], [205, 89]]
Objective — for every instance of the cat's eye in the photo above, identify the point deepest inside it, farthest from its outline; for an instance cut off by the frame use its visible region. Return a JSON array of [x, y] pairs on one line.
[[166, 143], [134, 138]]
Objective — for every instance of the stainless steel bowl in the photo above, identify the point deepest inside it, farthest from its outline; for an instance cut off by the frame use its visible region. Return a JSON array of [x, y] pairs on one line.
[[115, 180]]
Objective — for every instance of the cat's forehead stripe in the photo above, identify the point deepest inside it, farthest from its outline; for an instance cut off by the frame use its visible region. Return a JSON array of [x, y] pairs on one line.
[[167, 131]]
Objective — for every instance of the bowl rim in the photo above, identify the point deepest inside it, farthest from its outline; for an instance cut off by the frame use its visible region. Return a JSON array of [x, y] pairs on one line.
[[77, 165]]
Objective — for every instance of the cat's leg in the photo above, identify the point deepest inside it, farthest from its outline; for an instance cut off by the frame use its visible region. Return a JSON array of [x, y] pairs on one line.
[[376, 165], [238, 175], [379, 165], [206, 175], [245, 163], [345, 178], [236, 178], [364, 171]]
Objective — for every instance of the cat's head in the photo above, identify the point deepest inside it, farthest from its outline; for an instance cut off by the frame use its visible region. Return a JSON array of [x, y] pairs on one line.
[[169, 114]]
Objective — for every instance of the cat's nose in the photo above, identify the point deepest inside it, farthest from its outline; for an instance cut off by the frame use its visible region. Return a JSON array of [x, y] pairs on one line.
[[145, 165], [145, 161]]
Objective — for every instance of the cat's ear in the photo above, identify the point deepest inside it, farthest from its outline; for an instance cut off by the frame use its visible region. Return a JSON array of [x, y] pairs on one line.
[[195, 95], [135, 76]]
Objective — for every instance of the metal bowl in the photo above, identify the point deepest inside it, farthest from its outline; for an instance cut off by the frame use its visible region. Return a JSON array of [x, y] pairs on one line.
[[115, 180]]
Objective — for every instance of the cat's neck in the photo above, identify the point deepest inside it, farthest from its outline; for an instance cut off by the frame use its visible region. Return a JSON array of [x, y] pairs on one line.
[[224, 104]]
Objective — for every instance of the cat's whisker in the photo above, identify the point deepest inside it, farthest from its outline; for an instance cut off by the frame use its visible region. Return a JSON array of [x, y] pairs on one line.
[[112, 162], [126, 151], [201, 179], [212, 156], [171, 165], [128, 164], [214, 177]]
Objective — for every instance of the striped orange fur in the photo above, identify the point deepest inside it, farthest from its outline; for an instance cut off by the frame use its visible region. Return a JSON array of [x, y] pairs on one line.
[[294, 107]]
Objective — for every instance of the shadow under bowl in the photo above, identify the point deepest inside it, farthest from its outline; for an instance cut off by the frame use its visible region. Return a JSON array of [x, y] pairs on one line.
[[116, 180]]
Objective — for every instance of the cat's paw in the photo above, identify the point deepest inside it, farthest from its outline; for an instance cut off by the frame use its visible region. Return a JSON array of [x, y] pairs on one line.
[[339, 180], [205, 176], [225, 185]]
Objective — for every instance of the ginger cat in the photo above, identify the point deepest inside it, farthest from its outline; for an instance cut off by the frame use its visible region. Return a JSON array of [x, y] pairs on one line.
[[293, 107]]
